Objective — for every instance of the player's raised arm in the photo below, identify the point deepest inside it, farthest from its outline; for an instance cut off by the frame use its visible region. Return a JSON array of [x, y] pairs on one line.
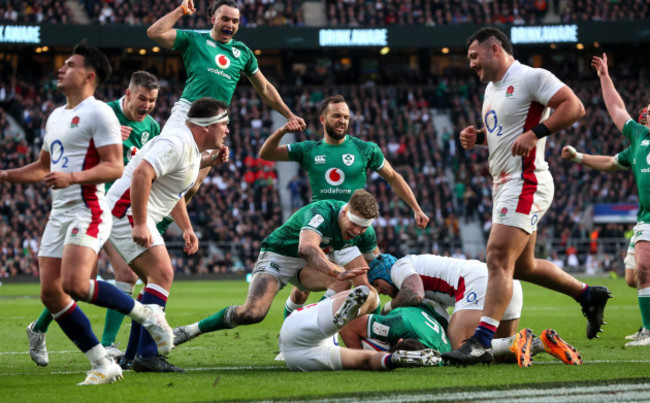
[[271, 150], [613, 100], [272, 98], [404, 192], [162, 31], [603, 163]]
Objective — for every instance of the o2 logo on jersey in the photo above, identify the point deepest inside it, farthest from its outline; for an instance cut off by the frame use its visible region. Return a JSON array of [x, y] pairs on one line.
[[222, 61], [56, 154], [471, 298], [334, 176], [534, 219], [492, 123]]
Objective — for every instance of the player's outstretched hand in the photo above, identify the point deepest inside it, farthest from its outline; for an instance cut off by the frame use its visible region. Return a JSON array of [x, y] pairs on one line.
[[524, 144], [189, 6], [125, 132], [421, 219], [58, 180], [569, 153], [191, 242], [352, 273], [3, 176], [468, 137], [600, 64], [142, 236]]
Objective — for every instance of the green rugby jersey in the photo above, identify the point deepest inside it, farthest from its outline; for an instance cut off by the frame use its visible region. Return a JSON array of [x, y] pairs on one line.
[[336, 171], [141, 133], [412, 322], [322, 218], [213, 68], [639, 137]]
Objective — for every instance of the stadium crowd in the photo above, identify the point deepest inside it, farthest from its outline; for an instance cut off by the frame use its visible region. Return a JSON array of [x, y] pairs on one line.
[[348, 13], [451, 184]]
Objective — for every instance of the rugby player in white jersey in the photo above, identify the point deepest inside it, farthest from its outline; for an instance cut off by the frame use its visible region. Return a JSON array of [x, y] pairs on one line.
[[515, 122], [162, 172], [461, 284], [82, 149]]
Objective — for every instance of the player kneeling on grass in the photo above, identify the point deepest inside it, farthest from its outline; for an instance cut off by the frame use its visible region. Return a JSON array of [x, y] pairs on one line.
[[305, 339], [153, 185], [296, 253], [461, 285]]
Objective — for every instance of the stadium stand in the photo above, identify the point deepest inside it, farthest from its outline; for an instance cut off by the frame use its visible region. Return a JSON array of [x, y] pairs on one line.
[[346, 13]]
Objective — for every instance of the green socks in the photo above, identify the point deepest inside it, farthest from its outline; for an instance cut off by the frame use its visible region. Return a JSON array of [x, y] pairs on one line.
[[43, 321]]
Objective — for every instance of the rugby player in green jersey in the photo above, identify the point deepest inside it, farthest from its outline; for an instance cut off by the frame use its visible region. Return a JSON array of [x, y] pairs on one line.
[[213, 62], [297, 253], [606, 163], [337, 165], [639, 137]]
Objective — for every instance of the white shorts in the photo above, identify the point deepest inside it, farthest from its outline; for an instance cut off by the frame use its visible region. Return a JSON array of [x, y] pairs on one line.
[[517, 204], [75, 225], [284, 268], [122, 238], [474, 297], [304, 345], [178, 117], [344, 256], [630, 260]]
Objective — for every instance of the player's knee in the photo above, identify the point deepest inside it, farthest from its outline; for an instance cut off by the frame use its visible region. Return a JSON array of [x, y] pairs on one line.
[[78, 290], [163, 277]]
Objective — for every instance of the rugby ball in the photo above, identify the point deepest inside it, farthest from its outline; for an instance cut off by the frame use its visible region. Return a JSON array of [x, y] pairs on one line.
[[374, 344]]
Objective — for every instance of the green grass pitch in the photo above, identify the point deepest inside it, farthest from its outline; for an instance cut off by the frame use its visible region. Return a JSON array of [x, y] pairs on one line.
[[238, 364]]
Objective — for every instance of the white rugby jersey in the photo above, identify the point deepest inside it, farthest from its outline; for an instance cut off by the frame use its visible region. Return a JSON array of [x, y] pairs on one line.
[[72, 137], [444, 278], [175, 158], [512, 106]]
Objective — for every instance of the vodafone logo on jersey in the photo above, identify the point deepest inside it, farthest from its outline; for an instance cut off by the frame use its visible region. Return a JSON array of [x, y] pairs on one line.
[[222, 61], [334, 176]]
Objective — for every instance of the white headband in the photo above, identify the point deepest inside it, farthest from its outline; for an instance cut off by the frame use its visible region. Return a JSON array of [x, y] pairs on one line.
[[360, 221], [205, 122]]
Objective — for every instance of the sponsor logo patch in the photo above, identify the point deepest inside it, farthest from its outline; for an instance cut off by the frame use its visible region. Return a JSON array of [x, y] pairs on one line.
[[334, 176], [316, 221], [510, 91], [319, 159], [222, 61], [75, 122], [348, 159]]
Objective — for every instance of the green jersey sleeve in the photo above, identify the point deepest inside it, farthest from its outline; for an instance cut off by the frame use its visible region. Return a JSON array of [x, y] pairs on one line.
[[375, 157], [317, 218], [631, 130], [298, 151], [624, 158]]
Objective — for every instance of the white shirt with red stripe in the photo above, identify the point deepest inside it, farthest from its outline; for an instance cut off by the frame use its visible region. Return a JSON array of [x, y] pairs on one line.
[[72, 137], [175, 158], [445, 279], [512, 106]]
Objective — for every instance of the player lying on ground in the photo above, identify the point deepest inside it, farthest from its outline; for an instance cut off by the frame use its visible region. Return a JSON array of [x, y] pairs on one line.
[[452, 283], [305, 339]]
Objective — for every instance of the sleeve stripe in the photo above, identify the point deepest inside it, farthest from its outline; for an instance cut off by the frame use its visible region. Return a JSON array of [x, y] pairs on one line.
[[312, 229]]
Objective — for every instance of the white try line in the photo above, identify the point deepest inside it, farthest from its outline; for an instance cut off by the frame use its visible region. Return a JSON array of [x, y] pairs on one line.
[[612, 392]]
